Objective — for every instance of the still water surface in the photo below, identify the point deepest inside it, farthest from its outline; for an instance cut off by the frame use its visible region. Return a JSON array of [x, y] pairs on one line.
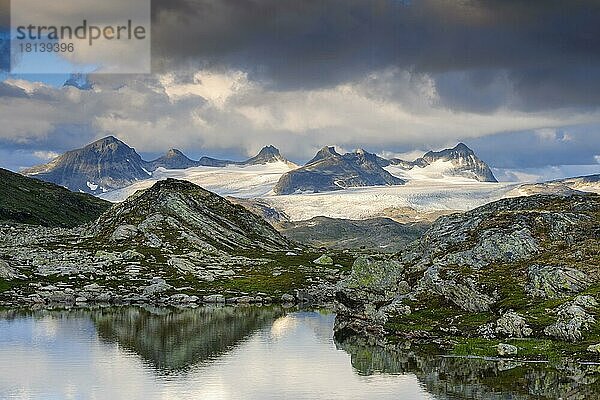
[[234, 353]]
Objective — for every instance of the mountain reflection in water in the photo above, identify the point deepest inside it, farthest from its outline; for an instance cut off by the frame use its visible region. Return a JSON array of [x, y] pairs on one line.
[[244, 353]]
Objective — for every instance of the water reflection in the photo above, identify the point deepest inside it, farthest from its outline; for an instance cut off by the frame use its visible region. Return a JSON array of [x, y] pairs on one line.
[[476, 378], [172, 339], [203, 353], [244, 353]]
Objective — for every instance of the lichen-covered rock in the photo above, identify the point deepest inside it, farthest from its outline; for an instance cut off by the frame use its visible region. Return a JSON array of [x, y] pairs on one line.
[[324, 260], [373, 280], [511, 324], [505, 349], [124, 232], [157, 286], [594, 348], [459, 290], [496, 245], [214, 298], [554, 282], [6, 271], [573, 319]]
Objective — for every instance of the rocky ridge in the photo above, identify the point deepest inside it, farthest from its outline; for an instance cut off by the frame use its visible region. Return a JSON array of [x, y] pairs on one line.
[[174, 243], [520, 267], [108, 164]]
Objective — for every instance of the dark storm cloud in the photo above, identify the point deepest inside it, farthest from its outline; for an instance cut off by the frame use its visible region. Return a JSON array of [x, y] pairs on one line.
[[544, 48]]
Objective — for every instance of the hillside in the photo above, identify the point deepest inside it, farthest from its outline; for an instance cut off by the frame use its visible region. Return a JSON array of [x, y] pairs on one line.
[[514, 270], [172, 243], [198, 218], [375, 234], [31, 201]]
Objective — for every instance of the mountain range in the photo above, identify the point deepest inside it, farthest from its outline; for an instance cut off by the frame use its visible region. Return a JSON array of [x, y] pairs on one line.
[[109, 164]]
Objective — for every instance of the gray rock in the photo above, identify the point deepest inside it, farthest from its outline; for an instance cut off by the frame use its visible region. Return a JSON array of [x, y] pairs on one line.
[[6, 271], [156, 288], [594, 348], [555, 282], [124, 232], [573, 319], [487, 331], [93, 287], [497, 245], [132, 255], [180, 298], [505, 349], [324, 260], [460, 291], [511, 324], [214, 298], [288, 298]]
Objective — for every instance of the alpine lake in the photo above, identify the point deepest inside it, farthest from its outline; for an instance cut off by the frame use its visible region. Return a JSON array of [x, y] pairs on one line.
[[247, 352]]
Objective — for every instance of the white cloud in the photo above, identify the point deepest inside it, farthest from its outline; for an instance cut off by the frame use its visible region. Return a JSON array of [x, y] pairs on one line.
[[45, 155], [221, 110], [597, 158]]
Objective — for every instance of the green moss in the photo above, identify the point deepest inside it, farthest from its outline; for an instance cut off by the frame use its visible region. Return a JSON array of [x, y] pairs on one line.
[[529, 349], [5, 285]]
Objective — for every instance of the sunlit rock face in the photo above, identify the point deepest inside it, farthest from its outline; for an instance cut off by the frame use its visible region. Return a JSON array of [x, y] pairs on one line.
[[461, 160]]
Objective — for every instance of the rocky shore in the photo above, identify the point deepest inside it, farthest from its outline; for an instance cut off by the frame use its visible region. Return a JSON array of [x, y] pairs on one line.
[[518, 277], [172, 244]]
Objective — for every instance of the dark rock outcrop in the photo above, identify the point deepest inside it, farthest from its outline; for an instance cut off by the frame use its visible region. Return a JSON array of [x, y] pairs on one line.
[[329, 171]]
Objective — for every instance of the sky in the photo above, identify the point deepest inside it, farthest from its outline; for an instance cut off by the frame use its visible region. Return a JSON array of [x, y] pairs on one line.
[[517, 81]]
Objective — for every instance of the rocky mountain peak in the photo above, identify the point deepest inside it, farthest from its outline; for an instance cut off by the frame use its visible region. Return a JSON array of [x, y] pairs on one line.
[[329, 170], [325, 153], [108, 143], [171, 153], [267, 154], [459, 151], [173, 159], [103, 165]]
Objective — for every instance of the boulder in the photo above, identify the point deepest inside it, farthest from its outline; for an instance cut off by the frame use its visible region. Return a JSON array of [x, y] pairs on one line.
[[505, 349], [594, 348], [554, 282], [459, 290], [6, 271], [288, 298], [124, 232], [157, 286], [214, 298], [324, 260], [573, 319], [511, 324]]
